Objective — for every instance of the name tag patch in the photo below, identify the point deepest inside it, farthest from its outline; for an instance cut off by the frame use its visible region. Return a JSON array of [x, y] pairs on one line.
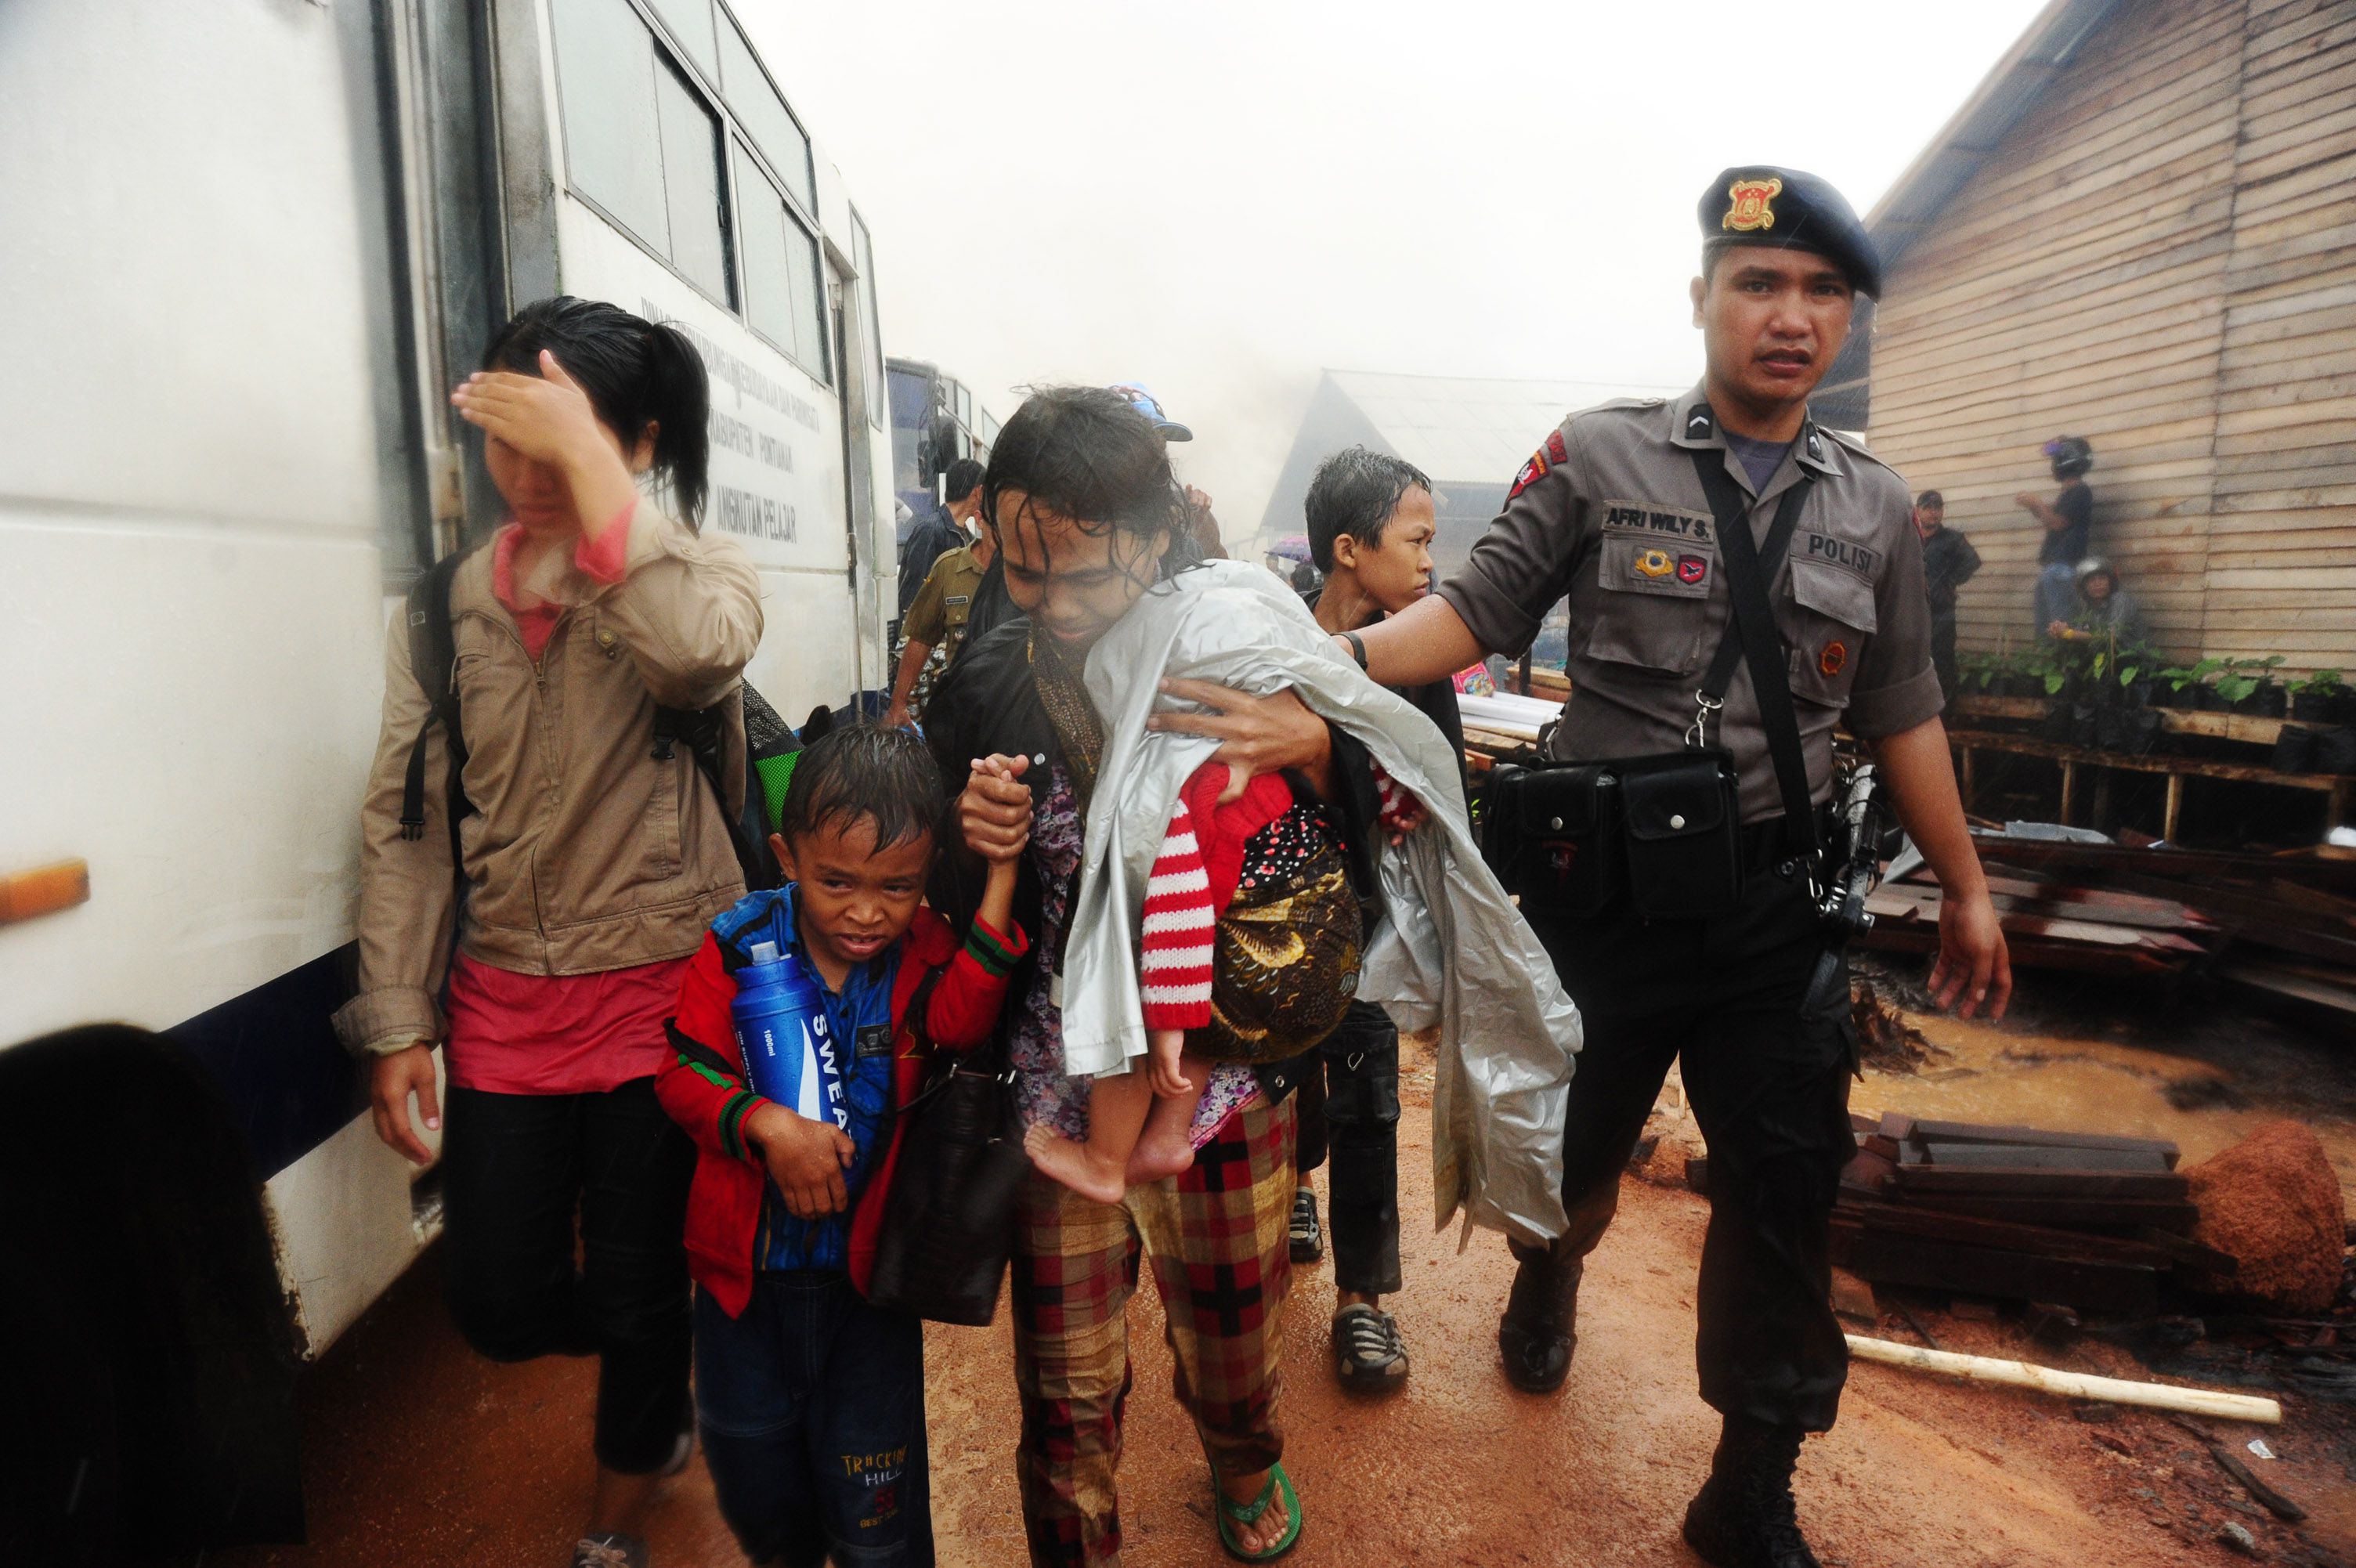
[[875, 1040], [1861, 559], [954, 600], [1643, 516]]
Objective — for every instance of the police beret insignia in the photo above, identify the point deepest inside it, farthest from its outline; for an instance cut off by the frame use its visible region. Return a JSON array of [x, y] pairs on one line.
[[1833, 658], [1655, 563], [1749, 204]]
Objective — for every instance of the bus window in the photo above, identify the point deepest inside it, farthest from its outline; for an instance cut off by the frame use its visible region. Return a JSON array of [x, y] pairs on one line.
[[763, 115], [691, 26], [862, 256], [781, 294], [691, 184], [622, 94], [912, 405], [964, 406]]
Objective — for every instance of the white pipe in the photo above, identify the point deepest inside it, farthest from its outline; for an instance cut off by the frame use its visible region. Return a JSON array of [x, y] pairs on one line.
[[2070, 1385]]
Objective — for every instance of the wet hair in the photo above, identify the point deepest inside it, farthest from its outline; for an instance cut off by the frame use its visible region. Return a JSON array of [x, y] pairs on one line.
[[963, 475], [1933, 499], [864, 772], [637, 372], [1085, 453], [1354, 492]]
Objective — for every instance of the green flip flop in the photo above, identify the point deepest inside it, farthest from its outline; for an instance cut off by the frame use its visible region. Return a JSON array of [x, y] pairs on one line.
[[1232, 1514]]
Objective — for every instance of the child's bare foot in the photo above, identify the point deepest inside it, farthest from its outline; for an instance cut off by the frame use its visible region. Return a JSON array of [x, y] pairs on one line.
[[1159, 1154], [1061, 1160]]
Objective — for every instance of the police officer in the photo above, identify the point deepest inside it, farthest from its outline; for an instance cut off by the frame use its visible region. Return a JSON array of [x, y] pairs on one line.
[[1614, 511]]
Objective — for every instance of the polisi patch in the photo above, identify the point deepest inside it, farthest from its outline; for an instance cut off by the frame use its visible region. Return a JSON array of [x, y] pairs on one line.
[[1750, 204], [1652, 564], [1834, 659], [1692, 569], [1861, 559]]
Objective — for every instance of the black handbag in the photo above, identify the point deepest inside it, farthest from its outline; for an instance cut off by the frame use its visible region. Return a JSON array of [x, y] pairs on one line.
[[948, 1221], [1552, 836], [1682, 833]]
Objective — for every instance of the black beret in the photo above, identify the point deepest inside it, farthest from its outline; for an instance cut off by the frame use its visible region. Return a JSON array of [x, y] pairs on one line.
[[1754, 205]]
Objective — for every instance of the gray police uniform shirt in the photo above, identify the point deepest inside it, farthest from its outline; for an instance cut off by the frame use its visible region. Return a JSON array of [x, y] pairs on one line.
[[1611, 512]]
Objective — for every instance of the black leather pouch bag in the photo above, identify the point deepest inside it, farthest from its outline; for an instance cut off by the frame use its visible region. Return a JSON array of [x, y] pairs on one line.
[[1682, 832], [1552, 836]]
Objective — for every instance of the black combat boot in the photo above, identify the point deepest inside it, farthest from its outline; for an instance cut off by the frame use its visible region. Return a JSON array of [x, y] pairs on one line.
[[1540, 1327], [1744, 1516]]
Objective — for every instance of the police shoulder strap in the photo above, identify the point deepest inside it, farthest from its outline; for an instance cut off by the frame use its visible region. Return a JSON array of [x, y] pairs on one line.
[[1752, 636]]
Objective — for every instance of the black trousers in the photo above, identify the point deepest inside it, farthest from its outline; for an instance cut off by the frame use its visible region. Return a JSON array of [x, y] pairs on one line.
[[1769, 1087], [1349, 1108], [1943, 653], [520, 1168]]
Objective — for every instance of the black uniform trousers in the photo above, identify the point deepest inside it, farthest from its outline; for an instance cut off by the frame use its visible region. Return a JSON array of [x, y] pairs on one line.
[[1770, 1091], [1349, 1109]]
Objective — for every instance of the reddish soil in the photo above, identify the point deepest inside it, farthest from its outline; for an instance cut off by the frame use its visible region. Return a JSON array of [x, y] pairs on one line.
[[421, 1455]]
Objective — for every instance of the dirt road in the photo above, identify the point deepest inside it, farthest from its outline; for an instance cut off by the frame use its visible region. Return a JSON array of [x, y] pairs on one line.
[[421, 1455]]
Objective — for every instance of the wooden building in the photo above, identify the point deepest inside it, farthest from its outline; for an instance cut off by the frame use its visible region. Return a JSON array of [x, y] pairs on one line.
[[2141, 230]]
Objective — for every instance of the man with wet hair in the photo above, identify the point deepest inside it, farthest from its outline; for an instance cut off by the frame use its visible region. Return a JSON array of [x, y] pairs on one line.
[[1741, 580]]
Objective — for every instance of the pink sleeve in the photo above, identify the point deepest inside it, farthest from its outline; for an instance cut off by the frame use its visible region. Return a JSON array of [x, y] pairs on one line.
[[607, 557], [1176, 970]]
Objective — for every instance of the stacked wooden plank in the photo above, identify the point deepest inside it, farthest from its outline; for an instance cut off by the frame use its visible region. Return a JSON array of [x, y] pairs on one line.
[[2053, 922], [2077, 1220]]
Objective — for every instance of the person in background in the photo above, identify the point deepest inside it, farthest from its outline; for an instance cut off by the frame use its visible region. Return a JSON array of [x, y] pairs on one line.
[[2105, 611], [2069, 522], [1304, 579], [812, 1400], [937, 623], [594, 860], [1948, 563], [1370, 529], [943, 530]]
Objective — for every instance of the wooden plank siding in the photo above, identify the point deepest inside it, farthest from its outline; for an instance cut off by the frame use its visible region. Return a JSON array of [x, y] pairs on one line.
[[2159, 256]]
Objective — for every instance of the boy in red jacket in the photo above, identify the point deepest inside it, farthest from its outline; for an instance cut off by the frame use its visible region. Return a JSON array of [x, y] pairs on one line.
[[810, 1400]]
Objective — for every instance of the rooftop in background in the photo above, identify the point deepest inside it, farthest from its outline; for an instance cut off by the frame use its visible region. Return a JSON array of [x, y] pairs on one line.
[[1469, 434]]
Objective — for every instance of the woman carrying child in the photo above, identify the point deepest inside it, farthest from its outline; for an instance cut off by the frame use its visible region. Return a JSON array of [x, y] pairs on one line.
[[1091, 532], [592, 855]]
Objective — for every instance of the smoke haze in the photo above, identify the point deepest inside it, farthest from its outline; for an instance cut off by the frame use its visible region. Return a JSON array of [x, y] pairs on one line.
[[1219, 199]]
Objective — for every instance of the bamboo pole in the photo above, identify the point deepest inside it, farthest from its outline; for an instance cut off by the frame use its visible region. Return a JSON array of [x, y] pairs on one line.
[[2070, 1385]]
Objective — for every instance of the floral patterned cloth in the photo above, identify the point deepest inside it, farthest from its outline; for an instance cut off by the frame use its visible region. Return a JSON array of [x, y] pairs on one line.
[[1035, 1043]]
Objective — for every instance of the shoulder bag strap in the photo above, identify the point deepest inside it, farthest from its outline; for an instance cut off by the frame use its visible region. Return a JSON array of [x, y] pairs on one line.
[[432, 661], [1751, 635]]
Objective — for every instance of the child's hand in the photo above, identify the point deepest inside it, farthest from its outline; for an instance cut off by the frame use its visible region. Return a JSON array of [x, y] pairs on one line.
[[549, 420], [1400, 814], [995, 809], [806, 1159], [1167, 1046]]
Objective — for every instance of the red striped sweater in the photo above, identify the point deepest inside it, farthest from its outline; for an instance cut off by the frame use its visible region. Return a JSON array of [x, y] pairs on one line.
[[1193, 880]]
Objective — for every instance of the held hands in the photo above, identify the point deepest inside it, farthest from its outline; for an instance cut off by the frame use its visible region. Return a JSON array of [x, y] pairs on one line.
[[995, 811], [393, 1080], [805, 1158]]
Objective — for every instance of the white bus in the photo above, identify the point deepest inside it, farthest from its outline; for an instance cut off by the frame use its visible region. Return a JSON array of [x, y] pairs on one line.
[[247, 247]]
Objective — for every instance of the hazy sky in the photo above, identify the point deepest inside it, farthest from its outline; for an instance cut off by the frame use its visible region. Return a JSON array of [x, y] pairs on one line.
[[1221, 197]]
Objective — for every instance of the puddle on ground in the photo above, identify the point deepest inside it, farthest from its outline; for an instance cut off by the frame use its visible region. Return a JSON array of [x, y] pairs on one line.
[[2063, 1082]]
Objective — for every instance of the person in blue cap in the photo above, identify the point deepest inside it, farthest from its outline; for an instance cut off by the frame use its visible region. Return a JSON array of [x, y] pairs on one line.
[[1681, 907]]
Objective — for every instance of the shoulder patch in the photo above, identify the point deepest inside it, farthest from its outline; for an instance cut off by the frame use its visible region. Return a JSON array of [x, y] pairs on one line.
[[1531, 472]]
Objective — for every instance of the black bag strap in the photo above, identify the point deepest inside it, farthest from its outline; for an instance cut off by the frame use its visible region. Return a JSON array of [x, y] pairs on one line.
[[432, 661], [705, 731], [1751, 635]]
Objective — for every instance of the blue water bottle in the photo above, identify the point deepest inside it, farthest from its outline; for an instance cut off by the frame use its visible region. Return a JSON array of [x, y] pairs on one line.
[[781, 1029]]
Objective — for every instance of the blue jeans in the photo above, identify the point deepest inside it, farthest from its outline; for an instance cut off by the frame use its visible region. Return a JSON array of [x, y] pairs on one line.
[[2057, 594], [812, 1407]]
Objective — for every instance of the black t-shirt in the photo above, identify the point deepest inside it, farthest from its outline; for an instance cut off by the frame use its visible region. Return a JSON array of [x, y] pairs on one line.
[[2070, 545]]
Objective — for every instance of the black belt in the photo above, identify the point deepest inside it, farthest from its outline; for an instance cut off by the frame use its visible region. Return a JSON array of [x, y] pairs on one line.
[[1767, 841]]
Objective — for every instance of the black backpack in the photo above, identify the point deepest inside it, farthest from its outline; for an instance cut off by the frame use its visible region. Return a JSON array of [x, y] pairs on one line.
[[432, 659]]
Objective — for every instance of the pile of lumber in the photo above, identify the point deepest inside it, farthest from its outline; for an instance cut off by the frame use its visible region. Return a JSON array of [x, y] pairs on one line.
[[2074, 1219], [2280, 927]]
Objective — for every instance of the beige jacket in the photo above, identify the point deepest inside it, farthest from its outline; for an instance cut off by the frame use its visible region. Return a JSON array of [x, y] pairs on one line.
[[583, 852]]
